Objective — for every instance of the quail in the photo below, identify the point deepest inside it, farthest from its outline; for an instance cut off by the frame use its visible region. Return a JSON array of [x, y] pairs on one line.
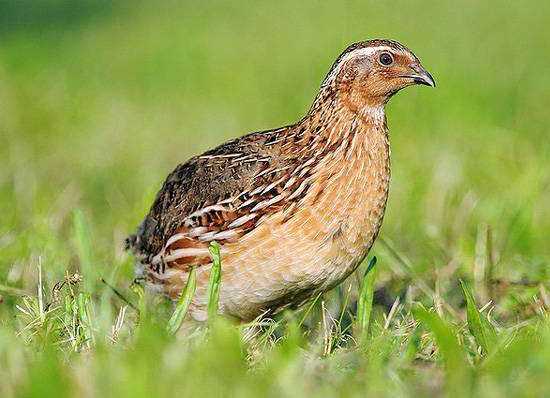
[[294, 209]]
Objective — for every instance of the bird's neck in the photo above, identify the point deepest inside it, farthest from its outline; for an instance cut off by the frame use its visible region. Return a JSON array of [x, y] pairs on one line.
[[333, 122], [369, 109]]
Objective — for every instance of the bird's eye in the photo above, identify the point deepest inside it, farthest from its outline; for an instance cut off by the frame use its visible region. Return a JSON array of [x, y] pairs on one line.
[[386, 59]]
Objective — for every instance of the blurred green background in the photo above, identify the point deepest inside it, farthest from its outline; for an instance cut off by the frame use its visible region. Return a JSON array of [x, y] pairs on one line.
[[99, 100]]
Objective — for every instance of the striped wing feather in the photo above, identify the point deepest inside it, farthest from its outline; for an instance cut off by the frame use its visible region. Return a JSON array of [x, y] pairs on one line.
[[218, 196]]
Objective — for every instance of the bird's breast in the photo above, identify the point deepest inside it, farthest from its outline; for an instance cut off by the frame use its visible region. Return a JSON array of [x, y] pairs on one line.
[[350, 197], [328, 234]]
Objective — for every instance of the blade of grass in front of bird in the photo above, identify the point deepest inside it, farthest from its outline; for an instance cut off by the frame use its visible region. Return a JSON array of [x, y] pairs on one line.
[[345, 304], [214, 281], [175, 321], [482, 330], [364, 304], [119, 294], [457, 369], [309, 308]]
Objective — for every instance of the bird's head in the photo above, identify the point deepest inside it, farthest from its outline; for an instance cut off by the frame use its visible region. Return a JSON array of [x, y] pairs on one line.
[[368, 73]]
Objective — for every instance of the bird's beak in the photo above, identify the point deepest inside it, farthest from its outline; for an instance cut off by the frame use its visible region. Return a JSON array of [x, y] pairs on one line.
[[422, 76]]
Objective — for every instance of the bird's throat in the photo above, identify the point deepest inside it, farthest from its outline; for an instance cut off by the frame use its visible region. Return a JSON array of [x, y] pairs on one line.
[[338, 127]]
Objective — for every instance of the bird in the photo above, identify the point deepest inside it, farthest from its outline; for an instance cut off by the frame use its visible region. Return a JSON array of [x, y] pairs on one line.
[[295, 209]]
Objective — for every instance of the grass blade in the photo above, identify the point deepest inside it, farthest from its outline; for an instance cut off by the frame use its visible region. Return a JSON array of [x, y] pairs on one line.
[[175, 321], [309, 308], [119, 294], [215, 279], [84, 248], [457, 369], [84, 319], [482, 330], [364, 304], [13, 291]]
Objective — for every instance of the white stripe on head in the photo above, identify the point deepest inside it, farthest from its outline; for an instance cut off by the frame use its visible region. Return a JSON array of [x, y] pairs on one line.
[[359, 52], [367, 51]]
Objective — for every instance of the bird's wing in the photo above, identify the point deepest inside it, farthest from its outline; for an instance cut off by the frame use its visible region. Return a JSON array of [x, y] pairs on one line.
[[218, 196]]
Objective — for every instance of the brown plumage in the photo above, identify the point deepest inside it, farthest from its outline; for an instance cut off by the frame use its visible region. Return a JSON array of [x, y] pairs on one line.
[[295, 209]]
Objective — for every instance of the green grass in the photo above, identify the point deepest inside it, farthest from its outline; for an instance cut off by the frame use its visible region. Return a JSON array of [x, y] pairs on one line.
[[100, 100]]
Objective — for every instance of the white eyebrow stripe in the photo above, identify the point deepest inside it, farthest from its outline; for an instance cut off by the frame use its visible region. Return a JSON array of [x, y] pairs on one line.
[[366, 51]]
